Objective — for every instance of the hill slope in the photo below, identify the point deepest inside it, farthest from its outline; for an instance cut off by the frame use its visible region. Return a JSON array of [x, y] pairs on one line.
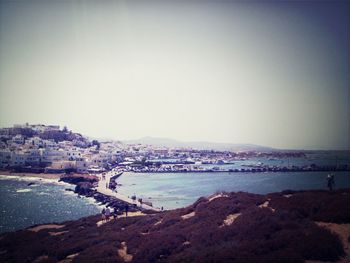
[[226, 227], [166, 142]]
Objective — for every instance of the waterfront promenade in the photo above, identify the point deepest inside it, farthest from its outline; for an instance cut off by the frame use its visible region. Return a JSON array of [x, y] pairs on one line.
[[103, 189]]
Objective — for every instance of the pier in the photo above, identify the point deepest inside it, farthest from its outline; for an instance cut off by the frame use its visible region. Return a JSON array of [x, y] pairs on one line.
[[104, 181]]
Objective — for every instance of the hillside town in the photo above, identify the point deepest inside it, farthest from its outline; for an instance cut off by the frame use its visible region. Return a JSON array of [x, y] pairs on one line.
[[49, 149]]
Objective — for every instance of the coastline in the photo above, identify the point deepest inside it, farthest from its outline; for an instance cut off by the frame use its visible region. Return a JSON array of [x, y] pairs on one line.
[[58, 176], [36, 175], [85, 185], [227, 217]]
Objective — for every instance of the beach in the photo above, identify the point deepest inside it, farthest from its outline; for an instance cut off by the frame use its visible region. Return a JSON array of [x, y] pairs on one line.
[[36, 175]]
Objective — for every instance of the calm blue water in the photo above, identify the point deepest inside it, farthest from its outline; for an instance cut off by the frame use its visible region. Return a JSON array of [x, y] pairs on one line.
[[181, 189], [45, 202]]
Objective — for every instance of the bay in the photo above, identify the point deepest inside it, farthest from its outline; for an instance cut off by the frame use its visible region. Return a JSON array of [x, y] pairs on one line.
[[174, 190]]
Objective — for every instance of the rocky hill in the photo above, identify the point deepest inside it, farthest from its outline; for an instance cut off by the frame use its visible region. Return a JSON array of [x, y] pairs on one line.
[[46, 133], [283, 227], [200, 145]]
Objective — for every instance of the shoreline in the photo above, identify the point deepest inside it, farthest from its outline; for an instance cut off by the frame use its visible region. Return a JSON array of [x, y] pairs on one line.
[[84, 186], [255, 170], [36, 175], [233, 215], [58, 176]]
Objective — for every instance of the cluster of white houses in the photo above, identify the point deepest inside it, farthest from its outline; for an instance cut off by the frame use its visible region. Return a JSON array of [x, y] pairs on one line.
[[49, 149], [31, 151], [54, 157]]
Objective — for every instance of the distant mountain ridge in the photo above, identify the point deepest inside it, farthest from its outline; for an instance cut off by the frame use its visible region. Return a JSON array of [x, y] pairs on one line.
[[201, 145]]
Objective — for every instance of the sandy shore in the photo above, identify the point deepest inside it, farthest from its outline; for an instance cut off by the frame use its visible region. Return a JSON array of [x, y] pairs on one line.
[[41, 175]]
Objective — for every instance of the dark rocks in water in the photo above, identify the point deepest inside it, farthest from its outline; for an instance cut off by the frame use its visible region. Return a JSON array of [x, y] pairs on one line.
[[31, 183], [78, 178], [86, 183], [112, 185], [84, 188]]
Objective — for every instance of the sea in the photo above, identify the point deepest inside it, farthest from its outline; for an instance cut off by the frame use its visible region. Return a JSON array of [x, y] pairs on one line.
[[30, 201], [23, 204], [174, 190]]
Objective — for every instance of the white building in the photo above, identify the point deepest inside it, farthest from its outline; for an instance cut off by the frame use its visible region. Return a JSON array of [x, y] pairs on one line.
[[35, 141], [18, 139], [73, 154], [50, 144], [18, 159], [5, 157], [62, 165]]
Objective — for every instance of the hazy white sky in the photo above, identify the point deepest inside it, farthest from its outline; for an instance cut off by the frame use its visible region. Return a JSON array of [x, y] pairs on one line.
[[270, 74]]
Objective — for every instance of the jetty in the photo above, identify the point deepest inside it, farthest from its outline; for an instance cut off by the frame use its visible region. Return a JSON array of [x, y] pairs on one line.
[[103, 188]]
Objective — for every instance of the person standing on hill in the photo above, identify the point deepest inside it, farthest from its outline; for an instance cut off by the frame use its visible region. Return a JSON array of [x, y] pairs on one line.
[[126, 207], [115, 213], [330, 181], [140, 201], [108, 213], [103, 213]]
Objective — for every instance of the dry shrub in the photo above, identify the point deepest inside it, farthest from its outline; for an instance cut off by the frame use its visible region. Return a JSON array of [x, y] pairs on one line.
[[257, 235]]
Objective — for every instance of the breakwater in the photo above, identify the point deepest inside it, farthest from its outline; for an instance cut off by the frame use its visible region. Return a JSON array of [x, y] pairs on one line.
[[86, 186]]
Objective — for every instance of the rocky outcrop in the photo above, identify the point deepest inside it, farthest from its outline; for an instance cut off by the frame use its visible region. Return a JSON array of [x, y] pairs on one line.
[[78, 178], [84, 188], [85, 185]]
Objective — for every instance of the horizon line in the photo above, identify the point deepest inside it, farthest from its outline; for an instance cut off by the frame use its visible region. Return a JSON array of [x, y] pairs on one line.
[[124, 140]]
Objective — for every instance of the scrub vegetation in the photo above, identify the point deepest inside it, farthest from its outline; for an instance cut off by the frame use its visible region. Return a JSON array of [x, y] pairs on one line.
[[226, 227]]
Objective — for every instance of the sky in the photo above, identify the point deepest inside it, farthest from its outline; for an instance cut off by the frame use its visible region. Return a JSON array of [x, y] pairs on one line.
[[270, 73]]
